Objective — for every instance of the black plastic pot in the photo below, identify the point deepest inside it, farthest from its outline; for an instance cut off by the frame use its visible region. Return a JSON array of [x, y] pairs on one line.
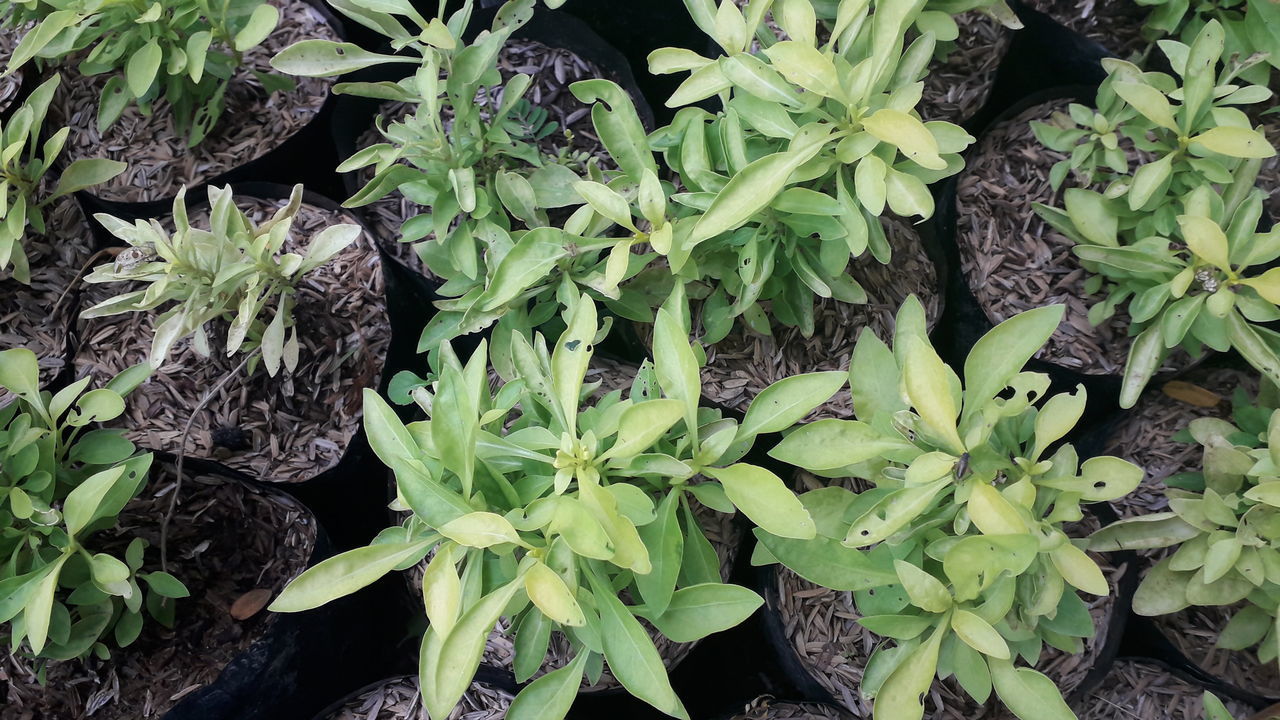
[[304, 157]]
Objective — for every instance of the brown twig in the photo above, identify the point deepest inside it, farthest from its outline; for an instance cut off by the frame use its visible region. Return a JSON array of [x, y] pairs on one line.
[[80, 276], [182, 455]]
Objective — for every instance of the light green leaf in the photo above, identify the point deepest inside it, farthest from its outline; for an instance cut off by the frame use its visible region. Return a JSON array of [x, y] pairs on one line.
[[346, 573], [765, 500], [787, 401]]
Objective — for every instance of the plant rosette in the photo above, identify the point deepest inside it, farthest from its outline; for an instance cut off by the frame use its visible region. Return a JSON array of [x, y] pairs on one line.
[[833, 647], [1148, 435], [285, 423], [1116, 26], [398, 699], [256, 117], [744, 362], [1216, 593], [233, 545], [767, 708], [1148, 690], [1013, 260], [962, 553], [555, 510], [550, 117]]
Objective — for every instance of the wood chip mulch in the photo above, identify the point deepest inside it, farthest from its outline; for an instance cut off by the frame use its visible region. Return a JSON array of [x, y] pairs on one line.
[[552, 71], [957, 87], [1137, 690], [1013, 261], [744, 363], [226, 539], [398, 699], [9, 84], [1195, 632], [160, 162], [765, 708], [1145, 436], [1114, 24], [821, 627], [39, 316], [281, 429]]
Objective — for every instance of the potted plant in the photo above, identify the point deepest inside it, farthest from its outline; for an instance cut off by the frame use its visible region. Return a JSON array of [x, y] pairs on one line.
[[772, 223], [561, 507], [265, 319], [958, 551], [154, 85], [44, 238], [489, 188], [1214, 587], [1153, 436], [105, 548], [1137, 165]]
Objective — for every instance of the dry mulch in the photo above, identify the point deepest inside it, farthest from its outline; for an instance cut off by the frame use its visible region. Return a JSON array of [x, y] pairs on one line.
[[1137, 690], [956, 88], [552, 71], [1195, 632], [9, 84], [226, 539], [821, 627], [744, 363], [1145, 436], [160, 163], [398, 699], [1014, 261], [39, 316], [765, 708], [1114, 24], [283, 429]]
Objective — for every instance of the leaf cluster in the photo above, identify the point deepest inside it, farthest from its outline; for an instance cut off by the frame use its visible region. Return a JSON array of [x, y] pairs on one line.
[[959, 551], [1224, 520], [63, 481], [182, 51], [233, 272], [1174, 238], [24, 163], [818, 136], [543, 501]]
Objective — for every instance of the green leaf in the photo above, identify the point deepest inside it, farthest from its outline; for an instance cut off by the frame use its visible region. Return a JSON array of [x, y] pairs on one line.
[[262, 21], [1029, 694], [701, 610], [908, 134], [346, 573], [481, 530], [787, 401], [632, 657], [901, 697], [86, 172], [1235, 142], [1000, 354], [765, 500], [928, 386], [325, 58], [665, 542], [892, 512], [926, 591], [442, 590], [1206, 239], [458, 654], [39, 607], [805, 66], [642, 425], [20, 374], [749, 191], [829, 444], [82, 502], [1147, 100], [552, 596], [550, 696], [141, 70], [676, 365], [979, 635], [827, 562]]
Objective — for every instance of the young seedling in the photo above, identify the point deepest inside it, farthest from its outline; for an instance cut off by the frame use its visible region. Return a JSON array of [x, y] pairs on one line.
[[232, 271], [541, 502], [958, 553]]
